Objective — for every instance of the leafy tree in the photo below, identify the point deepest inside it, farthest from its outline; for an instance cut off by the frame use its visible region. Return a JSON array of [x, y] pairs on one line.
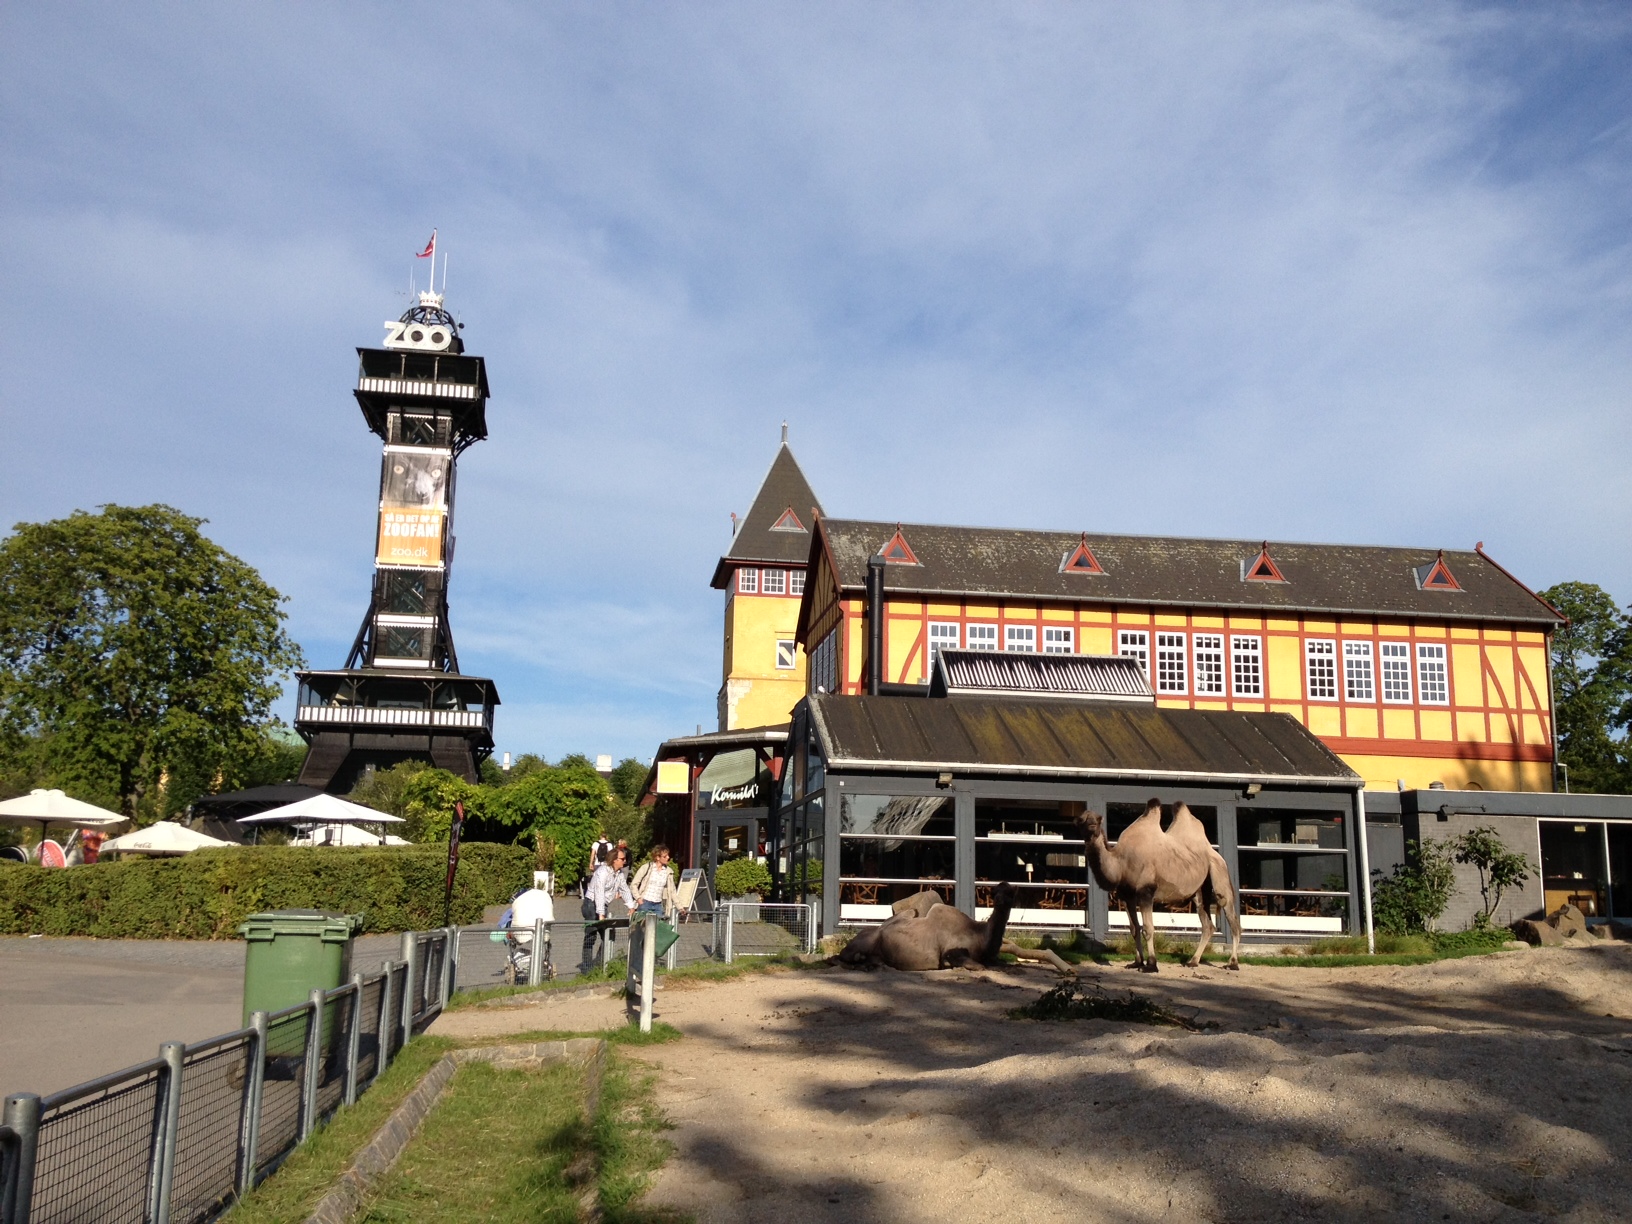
[[566, 805], [1499, 868], [386, 790], [137, 657], [428, 799], [1411, 900], [1592, 682], [627, 778]]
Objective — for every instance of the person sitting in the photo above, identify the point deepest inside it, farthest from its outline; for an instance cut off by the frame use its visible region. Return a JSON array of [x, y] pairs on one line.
[[654, 886], [610, 881]]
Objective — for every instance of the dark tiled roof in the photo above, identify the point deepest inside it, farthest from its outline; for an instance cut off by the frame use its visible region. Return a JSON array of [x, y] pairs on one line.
[[1011, 735], [986, 562], [784, 488], [1114, 677]]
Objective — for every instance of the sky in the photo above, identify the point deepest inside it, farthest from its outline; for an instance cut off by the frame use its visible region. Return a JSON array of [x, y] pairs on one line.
[[1342, 272]]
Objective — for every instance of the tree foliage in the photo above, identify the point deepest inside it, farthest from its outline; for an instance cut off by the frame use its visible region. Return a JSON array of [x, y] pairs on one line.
[[1499, 868], [138, 659], [1592, 684], [1411, 900]]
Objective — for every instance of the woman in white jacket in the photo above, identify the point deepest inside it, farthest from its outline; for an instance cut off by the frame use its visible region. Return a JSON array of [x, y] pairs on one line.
[[609, 881]]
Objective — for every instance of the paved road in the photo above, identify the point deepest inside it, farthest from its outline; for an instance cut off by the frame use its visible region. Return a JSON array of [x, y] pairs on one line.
[[73, 1009]]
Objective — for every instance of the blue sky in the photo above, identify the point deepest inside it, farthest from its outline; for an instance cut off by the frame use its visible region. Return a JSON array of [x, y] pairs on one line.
[[1322, 272]]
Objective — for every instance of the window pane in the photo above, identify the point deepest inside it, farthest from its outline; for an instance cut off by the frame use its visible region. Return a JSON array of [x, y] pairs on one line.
[[775, 581], [1431, 685], [1396, 672], [896, 859], [1246, 662], [1357, 677], [1321, 657], [796, 582], [982, 637], [1289, 828], [748, 580], [1059, 641], [1170, 668], [1135, 643], [785, 655], [943, 635], [1209, 664], [1021, 637], [905, 815]]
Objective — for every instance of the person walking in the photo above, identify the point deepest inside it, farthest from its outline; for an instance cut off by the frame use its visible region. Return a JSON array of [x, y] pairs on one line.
[[654, 887], [610, 881]]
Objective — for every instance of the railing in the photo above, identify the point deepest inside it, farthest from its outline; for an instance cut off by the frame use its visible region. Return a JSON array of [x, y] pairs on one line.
[[415, 386], [761, 928], [176, 1139], [391, 716]]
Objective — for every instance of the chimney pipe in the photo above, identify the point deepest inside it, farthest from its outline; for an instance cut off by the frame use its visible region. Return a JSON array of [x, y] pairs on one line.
[[875, 624]]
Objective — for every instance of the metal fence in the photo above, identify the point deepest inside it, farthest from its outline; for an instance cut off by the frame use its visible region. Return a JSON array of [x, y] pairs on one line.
[[761, 928], [176, 1139]]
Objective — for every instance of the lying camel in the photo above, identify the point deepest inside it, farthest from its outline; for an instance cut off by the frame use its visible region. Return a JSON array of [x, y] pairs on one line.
[[926, 933], [1149, 866]]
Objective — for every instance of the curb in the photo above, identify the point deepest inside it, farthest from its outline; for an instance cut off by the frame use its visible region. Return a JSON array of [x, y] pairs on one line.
[[345, 1198]]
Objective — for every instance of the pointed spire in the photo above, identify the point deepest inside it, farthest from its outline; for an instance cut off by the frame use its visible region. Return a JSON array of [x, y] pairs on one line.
[[784, 433], [1081, 559]]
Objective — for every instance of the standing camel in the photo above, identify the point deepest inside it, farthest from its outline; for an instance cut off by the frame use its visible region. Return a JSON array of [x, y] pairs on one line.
[[1149, 866], [926, 933]]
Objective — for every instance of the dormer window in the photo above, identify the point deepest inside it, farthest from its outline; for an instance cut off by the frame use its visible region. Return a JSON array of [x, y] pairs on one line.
[[788, 522], [1436, 575], [898, 551], [1081, 559], [1262, 568]]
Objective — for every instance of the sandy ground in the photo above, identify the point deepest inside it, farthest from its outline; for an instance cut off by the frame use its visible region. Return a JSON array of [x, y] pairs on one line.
[[1491, 1088]]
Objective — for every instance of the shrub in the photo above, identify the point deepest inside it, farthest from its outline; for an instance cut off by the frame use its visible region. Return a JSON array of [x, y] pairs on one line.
[[1411, 900], [206, 895], [1499, 868], [1481, 938], [741, 876]]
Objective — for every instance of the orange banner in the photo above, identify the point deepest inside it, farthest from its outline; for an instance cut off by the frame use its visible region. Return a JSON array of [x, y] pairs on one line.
[[410, 537]]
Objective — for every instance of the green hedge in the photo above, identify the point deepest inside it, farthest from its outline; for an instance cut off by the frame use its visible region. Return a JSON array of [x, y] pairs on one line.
[[205, 895]]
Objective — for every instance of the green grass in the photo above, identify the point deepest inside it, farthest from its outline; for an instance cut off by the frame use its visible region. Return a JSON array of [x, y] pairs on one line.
[[512, 1146], [289, 1195], [1335, 953], [614, 974]]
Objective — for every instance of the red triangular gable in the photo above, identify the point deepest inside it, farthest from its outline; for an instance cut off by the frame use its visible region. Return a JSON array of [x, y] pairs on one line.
[[1081, 559], [788, 522], [897, 551], [1438, 576], [1262, 568]]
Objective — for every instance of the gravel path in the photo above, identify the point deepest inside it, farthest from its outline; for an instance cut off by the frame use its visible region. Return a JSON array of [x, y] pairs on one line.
[[1492, 1088]]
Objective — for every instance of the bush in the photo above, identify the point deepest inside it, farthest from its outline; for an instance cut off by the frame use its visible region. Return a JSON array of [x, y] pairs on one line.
[[1411, 900], [740, 876], [206, 895], [1480, 938]]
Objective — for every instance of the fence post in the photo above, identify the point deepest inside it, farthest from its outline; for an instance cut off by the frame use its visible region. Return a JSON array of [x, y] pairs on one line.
[[730, 913], [648, 970], [254, 1086], [164, 1142], [810, 929], [535, 963], [22, 1115], [410, 953], [355, 1046], [453, 964], [311, 1073]]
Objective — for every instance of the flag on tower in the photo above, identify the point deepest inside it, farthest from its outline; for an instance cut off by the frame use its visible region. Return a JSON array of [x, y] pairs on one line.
[[430, 248]]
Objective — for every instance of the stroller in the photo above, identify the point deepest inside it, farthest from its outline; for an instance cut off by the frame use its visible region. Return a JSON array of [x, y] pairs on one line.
[[519, 951]]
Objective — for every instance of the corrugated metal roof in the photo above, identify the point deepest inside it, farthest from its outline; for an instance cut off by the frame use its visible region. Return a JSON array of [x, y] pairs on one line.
[[988, 563], [968, 672], [784, 488], [1030, 736]]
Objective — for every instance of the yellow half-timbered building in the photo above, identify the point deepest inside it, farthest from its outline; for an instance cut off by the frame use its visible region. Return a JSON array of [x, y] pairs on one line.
[[1417, 666]]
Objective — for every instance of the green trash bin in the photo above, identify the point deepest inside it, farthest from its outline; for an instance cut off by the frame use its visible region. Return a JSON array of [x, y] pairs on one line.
[[293, 952]]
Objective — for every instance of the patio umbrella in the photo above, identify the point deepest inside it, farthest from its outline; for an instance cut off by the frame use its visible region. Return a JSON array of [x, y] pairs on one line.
[[344, 835], [164, 838], [321, 810], [52, 807]]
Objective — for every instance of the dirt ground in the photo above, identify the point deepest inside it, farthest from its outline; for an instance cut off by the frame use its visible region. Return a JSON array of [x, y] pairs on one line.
[[1490, 1088]]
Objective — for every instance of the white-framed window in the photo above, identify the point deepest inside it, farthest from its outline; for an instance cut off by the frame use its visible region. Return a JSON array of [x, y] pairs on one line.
[[1135, 643], [786, 654], [776, 581], [824, 665], [1209, 664], [1020, 637], [982, 637], [1357, 677], [1396, 673], [1431, 683], [1171, 672], [1059, 640], [796, 582], [748, 580], [1320, 665], [1247, 666], [943, 635]]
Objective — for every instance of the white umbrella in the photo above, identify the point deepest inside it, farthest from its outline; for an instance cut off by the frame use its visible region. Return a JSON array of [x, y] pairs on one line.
[[321, 810], [344, 835], [49, 807], [166, 837]]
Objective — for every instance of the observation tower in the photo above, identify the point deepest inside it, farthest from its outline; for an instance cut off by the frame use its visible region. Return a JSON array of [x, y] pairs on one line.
[[400, 695]]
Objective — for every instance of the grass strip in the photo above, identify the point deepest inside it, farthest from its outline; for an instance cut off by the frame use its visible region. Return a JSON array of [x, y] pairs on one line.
[[1342, 952], [509, 1146], [615, 972], [292, 1192]]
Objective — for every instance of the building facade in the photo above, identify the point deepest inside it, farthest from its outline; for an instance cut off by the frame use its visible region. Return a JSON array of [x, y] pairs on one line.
[[1418, 667], [763, 577]]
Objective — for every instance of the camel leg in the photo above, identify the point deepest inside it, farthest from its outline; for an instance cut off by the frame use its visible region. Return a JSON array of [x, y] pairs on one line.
[[1231, 914], [1147, 911], [1204, 912], [1042, 956], [1138, 961]]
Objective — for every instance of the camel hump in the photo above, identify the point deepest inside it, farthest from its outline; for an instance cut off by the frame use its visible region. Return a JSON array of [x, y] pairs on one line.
[[919, 904]]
